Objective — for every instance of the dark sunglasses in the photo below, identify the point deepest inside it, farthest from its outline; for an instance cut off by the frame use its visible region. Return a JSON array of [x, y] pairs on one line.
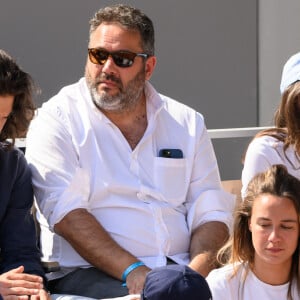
[[123, 59]]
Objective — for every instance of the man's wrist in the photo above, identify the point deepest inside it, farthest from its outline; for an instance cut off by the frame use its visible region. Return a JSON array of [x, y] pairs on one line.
[[130, 268]]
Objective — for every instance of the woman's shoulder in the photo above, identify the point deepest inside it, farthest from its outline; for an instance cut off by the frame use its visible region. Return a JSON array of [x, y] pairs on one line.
[[9, 150], [264, 143], [11, 156], [225, 273], [270, 136], [224, 282], [266, 140]]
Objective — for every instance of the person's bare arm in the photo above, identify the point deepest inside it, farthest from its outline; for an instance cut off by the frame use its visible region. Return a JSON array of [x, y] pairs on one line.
[[95, 245], [206, 240]]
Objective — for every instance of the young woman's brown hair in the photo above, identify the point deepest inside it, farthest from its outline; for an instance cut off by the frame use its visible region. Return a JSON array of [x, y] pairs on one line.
[[240, 250]]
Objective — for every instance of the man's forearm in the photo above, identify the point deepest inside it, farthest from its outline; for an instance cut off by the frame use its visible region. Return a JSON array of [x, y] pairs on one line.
[[93, 243], [206, 240]]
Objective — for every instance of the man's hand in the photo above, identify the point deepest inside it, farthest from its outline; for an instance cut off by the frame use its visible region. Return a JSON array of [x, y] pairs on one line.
[[15, 284], [136, 280]]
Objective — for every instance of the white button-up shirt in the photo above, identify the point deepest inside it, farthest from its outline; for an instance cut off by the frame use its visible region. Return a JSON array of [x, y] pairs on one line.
[[148, 204]]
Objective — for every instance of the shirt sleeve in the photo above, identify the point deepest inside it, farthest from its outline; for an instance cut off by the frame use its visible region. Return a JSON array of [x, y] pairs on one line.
[[61, 185], [206, 200]]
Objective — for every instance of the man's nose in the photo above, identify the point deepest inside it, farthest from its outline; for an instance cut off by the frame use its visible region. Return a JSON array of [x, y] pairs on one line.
[[109, 64]]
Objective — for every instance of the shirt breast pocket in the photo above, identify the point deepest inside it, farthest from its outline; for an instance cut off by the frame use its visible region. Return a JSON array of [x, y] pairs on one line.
[[170, 179]]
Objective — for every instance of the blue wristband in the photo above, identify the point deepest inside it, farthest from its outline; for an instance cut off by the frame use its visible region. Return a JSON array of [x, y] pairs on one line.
[[131, 268]]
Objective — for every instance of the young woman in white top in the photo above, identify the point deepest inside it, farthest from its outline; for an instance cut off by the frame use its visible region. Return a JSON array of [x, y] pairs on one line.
[[261, 260], [281, 144]]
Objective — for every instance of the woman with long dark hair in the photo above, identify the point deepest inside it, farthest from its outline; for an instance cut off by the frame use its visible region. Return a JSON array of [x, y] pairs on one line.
[[21, 272]]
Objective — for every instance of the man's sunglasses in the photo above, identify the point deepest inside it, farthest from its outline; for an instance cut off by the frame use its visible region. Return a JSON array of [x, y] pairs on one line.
[[123, 59]]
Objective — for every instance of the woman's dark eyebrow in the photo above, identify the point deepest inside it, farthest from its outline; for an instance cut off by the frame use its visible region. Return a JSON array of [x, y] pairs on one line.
[[284, 220]]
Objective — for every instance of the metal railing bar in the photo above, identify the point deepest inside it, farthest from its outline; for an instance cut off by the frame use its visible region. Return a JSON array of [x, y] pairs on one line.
[[223, 133]]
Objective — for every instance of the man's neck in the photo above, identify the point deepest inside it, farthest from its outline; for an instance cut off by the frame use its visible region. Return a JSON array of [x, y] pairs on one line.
[[132, 123], [276, 274]]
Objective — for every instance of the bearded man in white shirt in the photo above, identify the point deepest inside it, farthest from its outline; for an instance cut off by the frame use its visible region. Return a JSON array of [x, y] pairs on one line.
[[125, 178]]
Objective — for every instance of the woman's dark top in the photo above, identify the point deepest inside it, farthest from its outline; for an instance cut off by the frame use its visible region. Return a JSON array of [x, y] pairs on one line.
[[18, 244]]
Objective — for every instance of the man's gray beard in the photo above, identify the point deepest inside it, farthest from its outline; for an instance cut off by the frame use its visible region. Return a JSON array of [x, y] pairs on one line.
[[125, 100]]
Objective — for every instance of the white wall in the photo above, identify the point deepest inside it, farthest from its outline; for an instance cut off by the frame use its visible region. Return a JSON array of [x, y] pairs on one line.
[[279, 38]]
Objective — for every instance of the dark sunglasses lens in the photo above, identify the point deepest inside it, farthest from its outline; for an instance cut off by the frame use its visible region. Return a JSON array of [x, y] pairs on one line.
[[98, 56], [123, 59]]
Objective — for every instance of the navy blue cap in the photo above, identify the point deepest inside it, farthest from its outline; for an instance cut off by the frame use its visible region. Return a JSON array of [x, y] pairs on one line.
[[175, 282]]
